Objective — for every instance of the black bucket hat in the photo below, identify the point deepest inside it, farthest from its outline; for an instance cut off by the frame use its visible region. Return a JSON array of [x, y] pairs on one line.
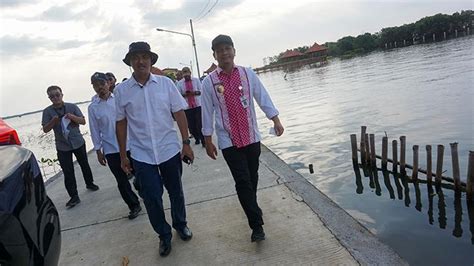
[[220, 39], [139, 47]]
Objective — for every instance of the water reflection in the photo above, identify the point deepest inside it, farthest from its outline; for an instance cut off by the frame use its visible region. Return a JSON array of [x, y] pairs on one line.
[[438, 190]]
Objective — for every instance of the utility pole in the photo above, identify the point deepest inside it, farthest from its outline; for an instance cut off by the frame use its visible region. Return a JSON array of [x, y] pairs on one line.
[[194, 45]]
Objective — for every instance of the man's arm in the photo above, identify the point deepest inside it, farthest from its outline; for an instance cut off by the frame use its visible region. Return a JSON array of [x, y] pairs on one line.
[[121, 132], [180, 117], [52, 123], [76, 119]]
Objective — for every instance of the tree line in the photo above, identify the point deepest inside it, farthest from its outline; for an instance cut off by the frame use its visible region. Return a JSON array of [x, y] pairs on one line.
[[406, 34]]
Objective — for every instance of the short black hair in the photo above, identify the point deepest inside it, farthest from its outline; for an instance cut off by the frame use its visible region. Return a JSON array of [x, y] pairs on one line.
[[53, 88]]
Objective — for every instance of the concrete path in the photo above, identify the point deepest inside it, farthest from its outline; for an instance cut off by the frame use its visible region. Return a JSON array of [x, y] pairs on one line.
[[303, 226]]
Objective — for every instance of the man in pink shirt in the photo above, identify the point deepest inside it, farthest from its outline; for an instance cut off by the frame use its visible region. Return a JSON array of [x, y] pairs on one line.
[[227, 96], [190, 88]]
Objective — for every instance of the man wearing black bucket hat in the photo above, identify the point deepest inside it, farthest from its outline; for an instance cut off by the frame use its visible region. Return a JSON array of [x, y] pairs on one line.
[[144, 104], [227, 97]]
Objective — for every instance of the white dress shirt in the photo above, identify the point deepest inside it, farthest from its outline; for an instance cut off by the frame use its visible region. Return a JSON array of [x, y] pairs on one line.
[[211, 110], [102, 124], [196, 87], [151, 133]]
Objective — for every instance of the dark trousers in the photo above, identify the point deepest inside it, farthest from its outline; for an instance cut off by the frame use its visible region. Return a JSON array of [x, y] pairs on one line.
[[130, 198], [151, 179], [195, 123], [243, 164], [65, 160]]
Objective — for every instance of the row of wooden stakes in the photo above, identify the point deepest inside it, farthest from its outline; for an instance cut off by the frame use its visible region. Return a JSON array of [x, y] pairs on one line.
[[369, 157]]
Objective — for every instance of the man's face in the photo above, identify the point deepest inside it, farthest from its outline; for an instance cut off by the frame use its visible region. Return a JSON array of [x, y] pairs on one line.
[[179, 75], [111, 80], [101, 87], [187, 75], [224, 54], [141, 63], [55, 96]]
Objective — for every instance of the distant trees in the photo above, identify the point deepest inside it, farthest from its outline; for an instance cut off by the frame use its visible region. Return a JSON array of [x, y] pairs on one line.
[[408, 33]]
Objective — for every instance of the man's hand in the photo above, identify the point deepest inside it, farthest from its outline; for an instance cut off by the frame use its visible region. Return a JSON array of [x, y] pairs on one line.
[[187, 151], [277, 126], [125, 164], [101, 158], [211, 149]]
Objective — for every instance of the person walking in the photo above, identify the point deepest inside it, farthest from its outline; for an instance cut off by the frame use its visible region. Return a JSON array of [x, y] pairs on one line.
[[64, 119], [227, 97], [102, 127], [190, 88], [145, 104]]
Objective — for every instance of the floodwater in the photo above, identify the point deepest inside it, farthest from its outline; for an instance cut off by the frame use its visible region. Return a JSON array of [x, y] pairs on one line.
[[424, 92]]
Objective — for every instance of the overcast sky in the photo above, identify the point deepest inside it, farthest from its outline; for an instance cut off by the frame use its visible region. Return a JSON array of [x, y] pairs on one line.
[[63, 42]]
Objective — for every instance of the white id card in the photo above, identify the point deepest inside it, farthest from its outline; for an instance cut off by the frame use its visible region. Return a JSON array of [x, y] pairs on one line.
[[244, 101]]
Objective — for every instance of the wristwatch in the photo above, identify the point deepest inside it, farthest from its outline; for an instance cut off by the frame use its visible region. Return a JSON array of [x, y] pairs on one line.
[[186, 141]]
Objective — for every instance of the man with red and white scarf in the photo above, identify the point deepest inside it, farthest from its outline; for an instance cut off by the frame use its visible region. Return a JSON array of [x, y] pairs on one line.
[[227, 97]]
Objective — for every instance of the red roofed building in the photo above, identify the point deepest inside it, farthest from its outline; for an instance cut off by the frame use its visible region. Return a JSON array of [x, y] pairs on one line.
[[317, 51], [290, 55], [210, 69]]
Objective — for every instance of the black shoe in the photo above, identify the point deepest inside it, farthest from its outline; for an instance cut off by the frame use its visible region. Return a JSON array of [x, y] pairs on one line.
[[92, 187], [197, 142], [257, 234], [73, 201], [185, 233], [134, 213], [165, 247]]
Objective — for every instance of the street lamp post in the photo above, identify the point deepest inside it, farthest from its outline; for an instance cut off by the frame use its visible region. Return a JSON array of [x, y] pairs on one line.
[[192, 39]]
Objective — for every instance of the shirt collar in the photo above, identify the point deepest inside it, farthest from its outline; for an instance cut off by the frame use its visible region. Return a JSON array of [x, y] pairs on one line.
[[152, 78], [219, 69]]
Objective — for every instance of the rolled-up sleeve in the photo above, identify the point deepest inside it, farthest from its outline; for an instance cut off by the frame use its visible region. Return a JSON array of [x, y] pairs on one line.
[[261, 96], [176, 99], [207, 107], [119, 108]]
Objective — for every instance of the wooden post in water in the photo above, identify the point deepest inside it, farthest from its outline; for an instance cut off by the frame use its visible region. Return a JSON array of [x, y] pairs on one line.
[[444, 35], [434, 37], [367, 149], [429, 175], [455, 165], [373, 159], [423, 38], [386, 45], [395, 44], [362, 144], [404, 42], [355, 158], [414, 175], [394, 155], [384, 152], [456, 33], [439, 163], [470, 175], [402, 154]]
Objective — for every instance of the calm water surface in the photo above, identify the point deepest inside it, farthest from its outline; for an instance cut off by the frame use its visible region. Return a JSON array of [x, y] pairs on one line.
[[425, 92]]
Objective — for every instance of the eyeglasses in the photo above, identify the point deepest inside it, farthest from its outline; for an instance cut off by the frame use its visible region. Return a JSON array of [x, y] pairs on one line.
[[56, 95]]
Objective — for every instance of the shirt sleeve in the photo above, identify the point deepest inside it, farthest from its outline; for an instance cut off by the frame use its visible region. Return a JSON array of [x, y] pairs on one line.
[[46, 117], [207, 107], [94, 128], [76, 111], [177, 102], [119, 108], [179, 86], [198, 85], [261, 95]]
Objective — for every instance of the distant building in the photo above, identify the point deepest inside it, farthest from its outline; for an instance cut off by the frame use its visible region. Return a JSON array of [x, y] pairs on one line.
[[318, 52], [290, 56], [210, 69]]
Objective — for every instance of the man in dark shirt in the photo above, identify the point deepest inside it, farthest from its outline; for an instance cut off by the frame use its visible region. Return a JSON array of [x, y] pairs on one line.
[[64, 119]]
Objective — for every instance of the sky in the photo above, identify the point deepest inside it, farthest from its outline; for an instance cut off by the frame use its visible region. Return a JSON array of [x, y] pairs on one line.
[[63, 42]]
